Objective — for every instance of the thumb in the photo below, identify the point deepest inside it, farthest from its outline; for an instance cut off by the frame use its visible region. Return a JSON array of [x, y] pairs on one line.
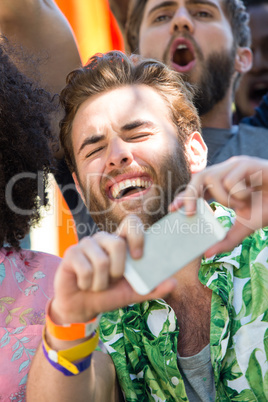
[[233, 238]]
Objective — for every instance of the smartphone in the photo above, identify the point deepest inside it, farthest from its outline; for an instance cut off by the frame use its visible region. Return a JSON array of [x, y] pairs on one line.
[[170, 244]]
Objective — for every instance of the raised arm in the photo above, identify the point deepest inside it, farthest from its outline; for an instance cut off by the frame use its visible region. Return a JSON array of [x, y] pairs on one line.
[[40, 27], [89, 281]]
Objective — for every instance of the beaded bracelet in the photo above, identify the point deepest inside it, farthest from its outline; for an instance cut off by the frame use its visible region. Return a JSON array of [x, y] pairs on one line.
[[71, 332], [63, 360]]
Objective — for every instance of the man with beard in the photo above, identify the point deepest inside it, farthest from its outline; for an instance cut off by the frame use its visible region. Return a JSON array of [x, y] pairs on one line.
[[131, 139], [207, 43]]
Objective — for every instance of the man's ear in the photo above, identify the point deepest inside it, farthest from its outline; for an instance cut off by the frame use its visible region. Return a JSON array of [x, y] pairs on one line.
[[243, 60], [78, 188], [196, 150]]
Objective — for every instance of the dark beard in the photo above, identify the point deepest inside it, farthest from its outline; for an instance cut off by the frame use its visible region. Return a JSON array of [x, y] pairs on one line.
[[215, 82], [174, 173], [217, 72]]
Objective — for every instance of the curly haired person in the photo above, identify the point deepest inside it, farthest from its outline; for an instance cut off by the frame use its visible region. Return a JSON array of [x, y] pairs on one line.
[[26, 276]]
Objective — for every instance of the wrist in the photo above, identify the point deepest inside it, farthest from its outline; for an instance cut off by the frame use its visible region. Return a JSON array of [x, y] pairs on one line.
[[60, 314], [59, 344], [67, 331], [73, 360]]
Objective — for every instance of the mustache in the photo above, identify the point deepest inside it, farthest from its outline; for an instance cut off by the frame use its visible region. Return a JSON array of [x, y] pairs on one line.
[[185, 35], [141, 170]]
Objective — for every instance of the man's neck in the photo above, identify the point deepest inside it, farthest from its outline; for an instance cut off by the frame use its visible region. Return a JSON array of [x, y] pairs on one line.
[[186, 277], [191, 302], [220, 116]]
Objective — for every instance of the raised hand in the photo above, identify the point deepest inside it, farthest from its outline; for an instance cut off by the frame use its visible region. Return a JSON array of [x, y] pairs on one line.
[[240, 183], [90, 278]]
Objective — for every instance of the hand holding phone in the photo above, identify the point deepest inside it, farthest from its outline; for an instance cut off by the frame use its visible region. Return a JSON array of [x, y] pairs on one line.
[[170, 244]]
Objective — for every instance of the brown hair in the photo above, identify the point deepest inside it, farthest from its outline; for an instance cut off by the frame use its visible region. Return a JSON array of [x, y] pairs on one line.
[[112, 70], [234, 9]]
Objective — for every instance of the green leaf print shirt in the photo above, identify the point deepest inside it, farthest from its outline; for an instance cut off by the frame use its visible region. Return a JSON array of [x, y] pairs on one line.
[[142, 338]]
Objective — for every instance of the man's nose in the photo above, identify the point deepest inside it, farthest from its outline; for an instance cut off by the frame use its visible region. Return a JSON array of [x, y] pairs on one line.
[[118, 154], [182, 21]]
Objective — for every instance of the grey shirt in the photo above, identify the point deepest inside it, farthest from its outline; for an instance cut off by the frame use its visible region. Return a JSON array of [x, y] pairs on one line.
[[198, 376], [239, 140]]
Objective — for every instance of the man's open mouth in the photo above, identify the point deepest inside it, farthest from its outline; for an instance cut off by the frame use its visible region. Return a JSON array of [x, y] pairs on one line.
[[182, 55], [128, 187]]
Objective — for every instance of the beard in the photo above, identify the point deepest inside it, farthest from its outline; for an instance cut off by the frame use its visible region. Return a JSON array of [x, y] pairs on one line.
[[216, 75], [215, 82], [172, 176]]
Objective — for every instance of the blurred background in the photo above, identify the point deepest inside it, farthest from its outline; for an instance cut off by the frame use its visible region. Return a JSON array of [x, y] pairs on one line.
[[96, 30]]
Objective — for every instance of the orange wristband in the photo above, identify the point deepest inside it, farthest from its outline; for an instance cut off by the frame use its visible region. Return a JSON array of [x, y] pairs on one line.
[[71, 332]]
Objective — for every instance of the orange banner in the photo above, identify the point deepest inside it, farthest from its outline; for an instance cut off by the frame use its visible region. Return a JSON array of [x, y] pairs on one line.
[[94, 26]]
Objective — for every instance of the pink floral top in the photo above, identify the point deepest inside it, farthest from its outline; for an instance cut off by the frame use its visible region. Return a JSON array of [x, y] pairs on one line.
[[26, 284]]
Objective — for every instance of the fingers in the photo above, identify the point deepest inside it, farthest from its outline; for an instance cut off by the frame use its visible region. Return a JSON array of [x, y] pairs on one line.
[[207, 184], [162, 290], [229, 183], [115, 249], [122, 294], [98, 263], [131, 229], [92, 271], [235, 183], [74, 272], [233, 238], [246, 176], [95, 261]]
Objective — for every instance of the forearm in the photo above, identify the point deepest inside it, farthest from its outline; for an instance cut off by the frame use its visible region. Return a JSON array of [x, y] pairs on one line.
[[94, 382], [88, 282], [41, 28], [98, 383]]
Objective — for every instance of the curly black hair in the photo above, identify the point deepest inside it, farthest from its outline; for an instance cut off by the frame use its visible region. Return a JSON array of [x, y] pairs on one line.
[[25, 151]]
